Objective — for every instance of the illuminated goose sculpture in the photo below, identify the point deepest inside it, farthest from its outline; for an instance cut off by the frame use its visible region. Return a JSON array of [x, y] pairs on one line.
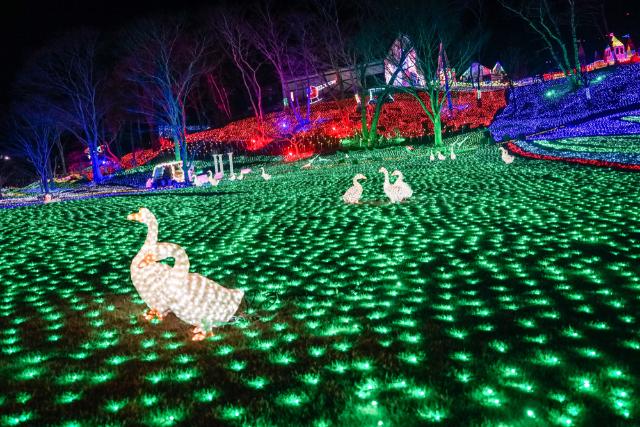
[[192, 297]]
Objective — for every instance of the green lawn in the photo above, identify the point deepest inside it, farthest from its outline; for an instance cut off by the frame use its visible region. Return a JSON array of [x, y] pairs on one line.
[[498, 294]]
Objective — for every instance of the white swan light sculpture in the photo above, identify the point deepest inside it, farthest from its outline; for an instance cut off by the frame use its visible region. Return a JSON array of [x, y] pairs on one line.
[[190, 296], [506, 157], [390, 191], [354, 193], [402, 188]]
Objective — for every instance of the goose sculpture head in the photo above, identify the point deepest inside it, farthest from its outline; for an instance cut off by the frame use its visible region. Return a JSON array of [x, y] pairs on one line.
[[144, 216], [398, 174], [358, 177]]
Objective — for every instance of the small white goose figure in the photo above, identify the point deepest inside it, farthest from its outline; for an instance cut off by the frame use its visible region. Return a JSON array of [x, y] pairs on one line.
[[506, 157], [354, 193], [214, 180], [402, 188], [389, 189], [453, 155], [243, 172], [265, 175], [431, 156], [441, 156]]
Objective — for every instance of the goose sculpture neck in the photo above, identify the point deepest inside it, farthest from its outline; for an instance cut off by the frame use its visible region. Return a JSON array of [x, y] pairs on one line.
[[386, 175], [152, 230]]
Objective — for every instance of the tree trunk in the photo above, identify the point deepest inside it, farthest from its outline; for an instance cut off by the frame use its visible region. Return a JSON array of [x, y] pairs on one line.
[[44, 182], [363, 117], [437, 130], [62, 160], [95, 163], [373, 130], [186, 164], [176, 148]]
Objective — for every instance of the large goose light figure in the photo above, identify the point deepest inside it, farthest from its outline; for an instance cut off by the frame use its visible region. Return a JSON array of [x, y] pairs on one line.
[[150, 278], [192, 297]]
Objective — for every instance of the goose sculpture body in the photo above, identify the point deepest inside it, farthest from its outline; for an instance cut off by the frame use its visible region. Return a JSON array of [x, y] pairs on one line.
[[150, 279], [192, 297], [390, 191], [453, 155], [402, 189], [506, 157], [441, 156], [354, 193], [431, 156]]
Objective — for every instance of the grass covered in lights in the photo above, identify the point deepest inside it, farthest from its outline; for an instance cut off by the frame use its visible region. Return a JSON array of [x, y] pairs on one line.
[[499, 294]]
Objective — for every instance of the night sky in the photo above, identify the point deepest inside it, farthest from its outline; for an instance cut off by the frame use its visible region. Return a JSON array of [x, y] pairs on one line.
[[29, 24]]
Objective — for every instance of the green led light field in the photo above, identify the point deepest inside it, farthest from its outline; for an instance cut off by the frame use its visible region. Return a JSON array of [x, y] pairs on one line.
[[594, 144], [498, 295]]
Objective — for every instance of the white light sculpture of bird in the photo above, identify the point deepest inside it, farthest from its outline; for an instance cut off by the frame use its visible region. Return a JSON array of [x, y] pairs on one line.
[[402, 188], [388, 188], [215, 179], [431, 156], [453, 155], [354, 193], [506, 157], [192, 297], [265, 175], [441, 156]]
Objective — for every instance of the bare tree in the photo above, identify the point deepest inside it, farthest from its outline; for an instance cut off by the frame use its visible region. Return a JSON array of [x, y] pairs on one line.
[[66, 77], [166, 62], [34, 135], [438, 47], [219, 94], [332, 42], [547, 23], [236, 33], [272, 37]]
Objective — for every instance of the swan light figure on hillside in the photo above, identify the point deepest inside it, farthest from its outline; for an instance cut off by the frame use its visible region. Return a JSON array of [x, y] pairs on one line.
[[265, 175], [453, 155], [388, 188], [441, 156], [354, 193], [402, 188], [431, 156], [506, 157], [192, 297]]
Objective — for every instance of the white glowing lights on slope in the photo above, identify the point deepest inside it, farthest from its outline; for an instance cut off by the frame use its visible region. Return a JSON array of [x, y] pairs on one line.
[[190, 296], [354, 193]]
